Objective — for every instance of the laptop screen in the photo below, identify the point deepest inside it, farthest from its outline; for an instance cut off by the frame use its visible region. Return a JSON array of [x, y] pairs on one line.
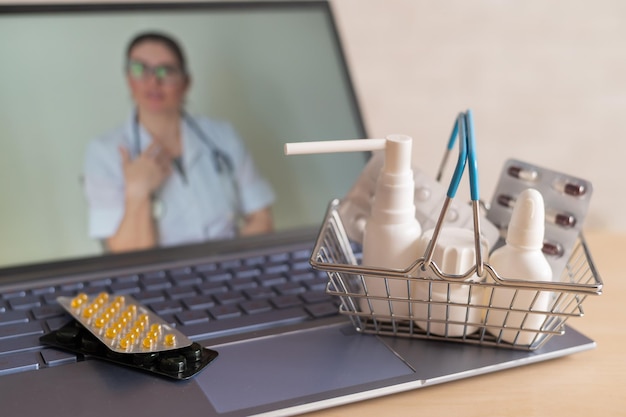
[[268, 72]]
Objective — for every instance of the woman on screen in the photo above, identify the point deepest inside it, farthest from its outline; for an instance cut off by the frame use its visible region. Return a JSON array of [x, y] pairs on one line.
[[166, 177]]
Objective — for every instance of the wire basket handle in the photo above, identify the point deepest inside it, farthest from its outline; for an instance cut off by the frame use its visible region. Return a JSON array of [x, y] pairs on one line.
[[464, 128]]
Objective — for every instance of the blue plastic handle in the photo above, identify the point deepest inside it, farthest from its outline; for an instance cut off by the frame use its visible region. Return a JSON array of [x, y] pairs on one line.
[[471, 156], [464, 127]]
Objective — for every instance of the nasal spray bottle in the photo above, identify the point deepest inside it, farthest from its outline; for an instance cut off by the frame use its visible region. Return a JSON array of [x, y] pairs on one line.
[[391, 234], [521, 258]]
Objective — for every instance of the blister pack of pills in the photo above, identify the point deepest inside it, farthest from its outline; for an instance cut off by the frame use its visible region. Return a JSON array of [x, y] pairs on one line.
[[566, 199], [120, 330]]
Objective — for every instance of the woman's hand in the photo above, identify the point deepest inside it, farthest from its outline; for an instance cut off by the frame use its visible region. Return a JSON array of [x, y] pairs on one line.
[[257, 222], [145, 174]]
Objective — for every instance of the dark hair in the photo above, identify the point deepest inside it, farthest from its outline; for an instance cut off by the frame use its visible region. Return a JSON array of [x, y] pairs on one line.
[[163, 39]]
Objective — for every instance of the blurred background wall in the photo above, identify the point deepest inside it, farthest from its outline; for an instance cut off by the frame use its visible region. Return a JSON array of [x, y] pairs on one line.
[[545, 79]]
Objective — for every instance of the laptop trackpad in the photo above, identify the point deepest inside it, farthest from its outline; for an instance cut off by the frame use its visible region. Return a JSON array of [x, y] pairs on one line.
[[307, 362]]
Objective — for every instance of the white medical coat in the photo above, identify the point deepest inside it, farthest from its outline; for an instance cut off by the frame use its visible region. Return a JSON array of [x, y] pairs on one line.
[[203, 207]]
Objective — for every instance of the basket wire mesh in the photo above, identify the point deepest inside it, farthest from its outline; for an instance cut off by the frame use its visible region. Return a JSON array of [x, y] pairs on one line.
[[466, 304]]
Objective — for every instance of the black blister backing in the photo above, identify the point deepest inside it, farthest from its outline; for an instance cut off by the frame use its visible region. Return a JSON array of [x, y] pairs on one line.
[[178, 364]]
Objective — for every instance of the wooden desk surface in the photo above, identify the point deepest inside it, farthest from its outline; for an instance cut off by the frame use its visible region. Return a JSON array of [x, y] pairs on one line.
[[591, 383]]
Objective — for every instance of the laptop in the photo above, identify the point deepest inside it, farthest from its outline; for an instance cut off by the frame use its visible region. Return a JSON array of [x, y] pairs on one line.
[[277, 72]]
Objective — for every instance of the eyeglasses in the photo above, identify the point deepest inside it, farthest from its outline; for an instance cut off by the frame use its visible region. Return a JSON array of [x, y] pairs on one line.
[[165, 73]]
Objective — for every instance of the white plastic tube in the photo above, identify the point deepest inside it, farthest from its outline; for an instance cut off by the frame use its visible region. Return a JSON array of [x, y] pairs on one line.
[[332, 146]]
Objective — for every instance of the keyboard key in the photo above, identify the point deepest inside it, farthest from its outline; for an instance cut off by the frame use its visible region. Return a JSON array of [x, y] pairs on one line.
[[146, 297], [246, 272], [52, 298], [300, 265], [275, 268], [54, 357], [255, 260], [176, 293], [20, 329], [12, 317], [192, 317], [166, 307], [218, 276], [272, 279], [318, 284], [121, 288], [318, 273], [94, 290], [279, 257], [301, 254], [198, 302], [316, 297], [42, 290], [232, 263], [302, 276], [154, 275], [225, 311], [255, 306], [180, 271], [47, 311], [158, 283], [286, 301], [188, 279], [259, 292], [127, 278], [72, 286], [169, 319], [13, 294], [23, 303], [20, 344], [289, 288], [229, 297], [214, 328], [322, 309], [204, 268], [102, 282], [19, 362], [242, 283], [212, 288]]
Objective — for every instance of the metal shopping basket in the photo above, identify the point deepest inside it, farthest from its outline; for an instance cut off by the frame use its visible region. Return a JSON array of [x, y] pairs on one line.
[[461, 314]]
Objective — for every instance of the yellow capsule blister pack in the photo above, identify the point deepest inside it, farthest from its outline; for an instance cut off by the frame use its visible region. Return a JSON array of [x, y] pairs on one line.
[[122, 324]]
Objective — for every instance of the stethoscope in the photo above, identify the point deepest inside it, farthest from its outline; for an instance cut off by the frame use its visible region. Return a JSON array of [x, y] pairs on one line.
[[222, 162]]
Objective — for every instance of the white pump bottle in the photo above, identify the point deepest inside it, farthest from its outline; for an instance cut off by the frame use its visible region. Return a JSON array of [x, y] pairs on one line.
[[391, 235], [521, 258]]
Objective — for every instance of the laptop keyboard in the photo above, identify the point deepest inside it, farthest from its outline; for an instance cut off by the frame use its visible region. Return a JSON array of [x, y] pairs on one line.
[[202, 301]]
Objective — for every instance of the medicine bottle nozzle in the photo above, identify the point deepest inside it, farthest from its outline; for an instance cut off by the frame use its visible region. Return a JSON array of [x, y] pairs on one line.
[[398, 154], [526, 228]]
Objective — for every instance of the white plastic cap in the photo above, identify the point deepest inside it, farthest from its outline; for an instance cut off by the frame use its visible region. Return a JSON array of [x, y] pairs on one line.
[[398, 154], [526, 228]]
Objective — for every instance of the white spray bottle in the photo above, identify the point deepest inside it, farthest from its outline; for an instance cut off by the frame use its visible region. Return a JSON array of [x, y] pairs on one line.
[[391, 235], [521, 258]]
